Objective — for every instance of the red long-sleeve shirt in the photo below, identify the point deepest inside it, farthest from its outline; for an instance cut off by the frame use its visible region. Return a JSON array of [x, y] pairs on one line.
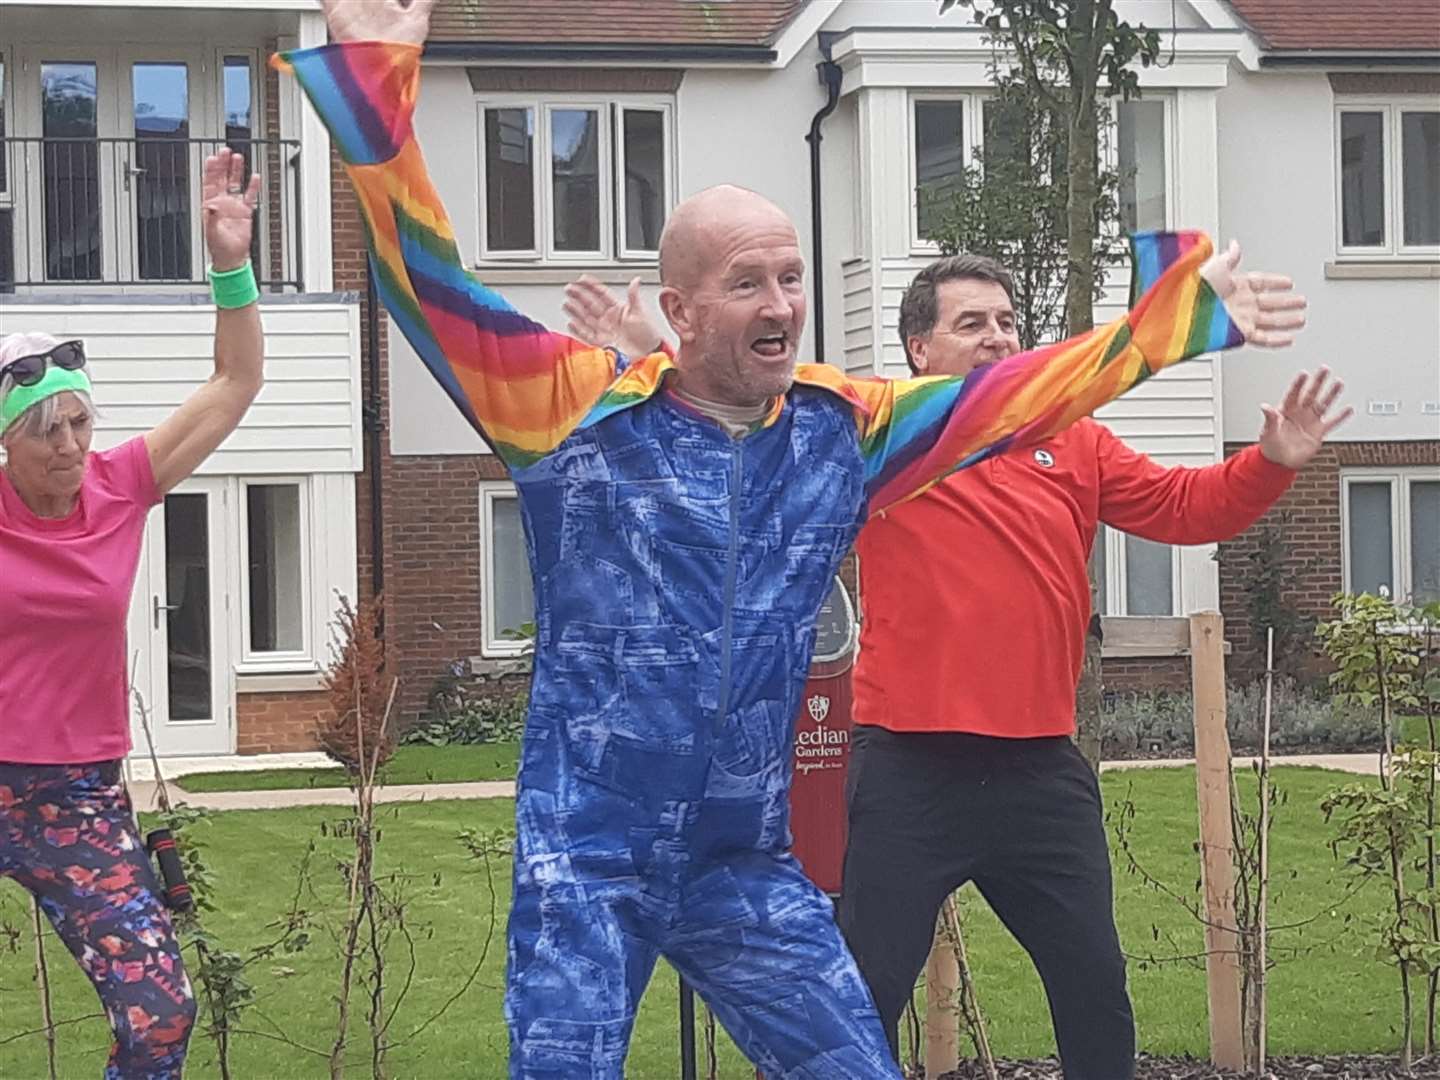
[[976, 595]]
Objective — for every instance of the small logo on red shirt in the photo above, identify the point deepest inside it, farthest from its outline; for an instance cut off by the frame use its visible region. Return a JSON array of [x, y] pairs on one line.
[[1045, 459]]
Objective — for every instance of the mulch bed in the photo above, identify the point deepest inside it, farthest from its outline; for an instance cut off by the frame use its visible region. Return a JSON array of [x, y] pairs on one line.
[[1337, 1067]]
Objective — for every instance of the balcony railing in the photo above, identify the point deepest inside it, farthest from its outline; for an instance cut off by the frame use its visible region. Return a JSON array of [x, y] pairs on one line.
[[78, 212]]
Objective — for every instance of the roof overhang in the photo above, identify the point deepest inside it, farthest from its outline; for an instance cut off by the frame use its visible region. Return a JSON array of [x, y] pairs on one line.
[[528, 52], [961, 56], [1377, 59], [796, 35]]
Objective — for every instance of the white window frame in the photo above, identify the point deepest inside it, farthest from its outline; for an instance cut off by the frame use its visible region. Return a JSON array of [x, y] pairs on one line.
[[606, 190], [257, 90], [1110, 145], [622, 210], [973, 121], [972, 125], [7, 115], [1116, 601], [540, 148], [611, 109], [1400, 480], [292, 660], [12, 160], [1391, 109], [492, 645], [204, 119]]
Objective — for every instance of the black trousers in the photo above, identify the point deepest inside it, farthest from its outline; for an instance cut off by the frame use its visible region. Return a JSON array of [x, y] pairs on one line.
[[1023, 819]]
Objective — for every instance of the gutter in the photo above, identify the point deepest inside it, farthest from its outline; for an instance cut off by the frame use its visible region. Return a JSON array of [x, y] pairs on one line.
[[374, 427], [1310, 58], [830, 76]]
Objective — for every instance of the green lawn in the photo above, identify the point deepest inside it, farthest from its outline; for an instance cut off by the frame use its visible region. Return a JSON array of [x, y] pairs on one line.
[[410, 765], [447, 765], [1334, 997]]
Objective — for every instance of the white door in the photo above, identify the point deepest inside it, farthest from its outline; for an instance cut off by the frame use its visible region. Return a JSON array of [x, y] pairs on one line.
[[179, 622], [111, 159], [165, 108], [66, 108]]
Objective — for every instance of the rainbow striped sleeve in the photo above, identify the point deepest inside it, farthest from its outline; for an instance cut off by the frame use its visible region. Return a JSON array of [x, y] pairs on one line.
[[523, 387], [917, 431]]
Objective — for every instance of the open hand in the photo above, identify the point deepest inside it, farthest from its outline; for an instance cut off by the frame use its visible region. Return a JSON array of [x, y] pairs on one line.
[[378, 20], [598, 317], [1264, 306], [229, 205], [1293, 433]]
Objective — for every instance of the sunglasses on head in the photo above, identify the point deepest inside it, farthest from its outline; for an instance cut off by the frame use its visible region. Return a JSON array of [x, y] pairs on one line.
[[29, 370]]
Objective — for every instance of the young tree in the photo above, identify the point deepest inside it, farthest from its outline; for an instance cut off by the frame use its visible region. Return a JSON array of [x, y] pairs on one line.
[[1070, 56], [1383, 654], [1012, 206]]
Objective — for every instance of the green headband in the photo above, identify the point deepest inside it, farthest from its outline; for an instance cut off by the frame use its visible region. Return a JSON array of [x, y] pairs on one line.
[[56, 380]]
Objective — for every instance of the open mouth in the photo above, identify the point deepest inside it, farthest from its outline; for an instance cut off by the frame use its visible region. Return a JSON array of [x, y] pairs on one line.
[[772, 346]]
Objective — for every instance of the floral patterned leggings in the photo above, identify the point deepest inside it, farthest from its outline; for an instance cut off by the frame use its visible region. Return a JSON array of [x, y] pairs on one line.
[[68, 836]]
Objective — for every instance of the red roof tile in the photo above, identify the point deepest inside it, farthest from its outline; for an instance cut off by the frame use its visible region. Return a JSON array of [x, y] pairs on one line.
[[1371, 25], [598, 22]]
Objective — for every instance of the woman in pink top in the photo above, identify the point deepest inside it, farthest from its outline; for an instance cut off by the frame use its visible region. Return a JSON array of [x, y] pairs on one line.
[[71, 524]]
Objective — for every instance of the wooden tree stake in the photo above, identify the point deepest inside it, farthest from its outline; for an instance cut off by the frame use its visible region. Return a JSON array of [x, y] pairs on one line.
[[942, 1027], [1217, 838]]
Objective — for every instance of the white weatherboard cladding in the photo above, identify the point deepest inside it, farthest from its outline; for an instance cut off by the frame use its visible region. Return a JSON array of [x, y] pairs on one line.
[[148, 358]]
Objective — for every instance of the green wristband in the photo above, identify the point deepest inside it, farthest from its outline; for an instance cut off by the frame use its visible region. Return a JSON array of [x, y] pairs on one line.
[[234, 288]]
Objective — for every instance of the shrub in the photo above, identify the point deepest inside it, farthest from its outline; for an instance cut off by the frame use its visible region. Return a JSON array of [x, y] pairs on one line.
[[360, 694], [1300, 720], [463, 712]]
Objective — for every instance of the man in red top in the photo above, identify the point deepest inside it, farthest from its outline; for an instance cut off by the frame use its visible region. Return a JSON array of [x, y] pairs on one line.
[[976, 601]]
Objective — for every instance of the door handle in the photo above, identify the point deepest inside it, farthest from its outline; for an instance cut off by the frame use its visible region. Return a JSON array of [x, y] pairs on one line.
[[132, 171], [158, 607]]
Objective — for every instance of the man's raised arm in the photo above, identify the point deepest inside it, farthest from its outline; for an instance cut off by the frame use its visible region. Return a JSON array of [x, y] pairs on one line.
[[1188, 302], [522, 387]]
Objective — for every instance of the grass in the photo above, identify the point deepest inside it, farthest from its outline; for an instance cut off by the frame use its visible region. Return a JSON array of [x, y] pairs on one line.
[[410, 765], [1334, 997], [451, 765]]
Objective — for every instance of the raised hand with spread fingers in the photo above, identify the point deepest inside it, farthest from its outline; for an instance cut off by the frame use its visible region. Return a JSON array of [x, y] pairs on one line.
[[598, 317], [1265, 307], [228, 203], [1294, 433]]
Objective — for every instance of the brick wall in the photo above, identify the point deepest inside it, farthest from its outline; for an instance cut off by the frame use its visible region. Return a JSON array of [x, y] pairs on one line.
[[274, 723], [1142, 674], [432, 569], [1309, 516]]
